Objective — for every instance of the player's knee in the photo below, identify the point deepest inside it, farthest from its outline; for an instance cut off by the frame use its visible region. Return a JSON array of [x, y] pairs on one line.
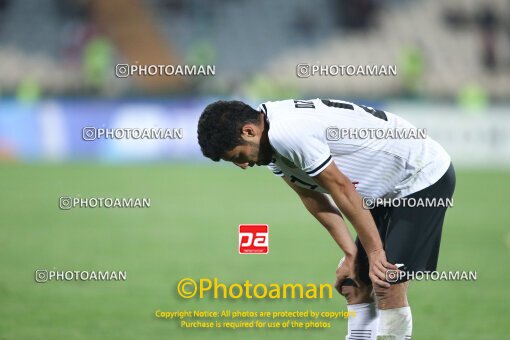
[[354, 295], [393, 297]]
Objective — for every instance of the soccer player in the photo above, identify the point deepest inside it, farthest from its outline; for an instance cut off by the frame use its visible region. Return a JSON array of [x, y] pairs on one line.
[[304, 142]]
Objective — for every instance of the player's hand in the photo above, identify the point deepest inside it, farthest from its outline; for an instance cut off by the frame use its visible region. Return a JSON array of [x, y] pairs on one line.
[[347, 269], [378, 266]]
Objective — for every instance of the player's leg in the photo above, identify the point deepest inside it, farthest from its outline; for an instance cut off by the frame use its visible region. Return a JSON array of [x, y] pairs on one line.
[[411, 241], [363, 314], [360, 299], [395, 318]]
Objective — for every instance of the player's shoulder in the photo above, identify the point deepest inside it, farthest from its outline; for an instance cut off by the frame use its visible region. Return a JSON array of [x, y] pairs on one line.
[[302, 106], [279, 106], [289, 126], [283, 111], [281, 117]]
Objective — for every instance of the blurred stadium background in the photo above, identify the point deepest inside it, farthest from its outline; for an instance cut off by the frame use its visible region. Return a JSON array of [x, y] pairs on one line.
[[57, 75]]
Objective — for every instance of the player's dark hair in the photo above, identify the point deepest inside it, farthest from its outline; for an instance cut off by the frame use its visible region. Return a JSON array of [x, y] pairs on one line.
[[220, 127]]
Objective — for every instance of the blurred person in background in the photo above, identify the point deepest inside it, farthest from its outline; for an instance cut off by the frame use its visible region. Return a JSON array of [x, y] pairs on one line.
[[3, 6], [97, 63], [489, 24], [356, 15], [413, 67]]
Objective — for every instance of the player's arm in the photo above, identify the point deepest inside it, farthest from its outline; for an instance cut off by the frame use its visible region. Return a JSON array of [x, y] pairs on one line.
[[330, 217], [350, 203]]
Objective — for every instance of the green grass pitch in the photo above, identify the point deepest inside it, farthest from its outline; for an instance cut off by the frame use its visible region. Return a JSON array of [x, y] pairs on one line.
[[190, 230]]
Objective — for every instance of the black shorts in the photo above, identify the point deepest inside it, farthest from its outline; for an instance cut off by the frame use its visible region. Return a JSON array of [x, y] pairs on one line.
[[411, 235]]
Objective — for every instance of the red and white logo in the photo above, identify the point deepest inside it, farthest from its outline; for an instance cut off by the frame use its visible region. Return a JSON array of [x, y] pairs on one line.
[[253, 239]]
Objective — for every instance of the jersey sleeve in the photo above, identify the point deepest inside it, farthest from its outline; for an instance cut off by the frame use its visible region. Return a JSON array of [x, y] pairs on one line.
[[304, 143]]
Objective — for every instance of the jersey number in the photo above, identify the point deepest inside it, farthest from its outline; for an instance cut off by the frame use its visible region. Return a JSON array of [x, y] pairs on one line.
[[376, 113], [303, 104]]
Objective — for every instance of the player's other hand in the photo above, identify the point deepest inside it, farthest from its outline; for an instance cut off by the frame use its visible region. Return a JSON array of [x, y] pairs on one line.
[[347, 269], [378, 266]]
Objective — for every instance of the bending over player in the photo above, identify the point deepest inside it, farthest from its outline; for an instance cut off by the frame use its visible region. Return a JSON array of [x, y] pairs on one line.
[[299, 141]]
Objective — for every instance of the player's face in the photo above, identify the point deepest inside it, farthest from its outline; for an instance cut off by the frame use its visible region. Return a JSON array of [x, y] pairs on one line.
[[256, 150], [244, 156]]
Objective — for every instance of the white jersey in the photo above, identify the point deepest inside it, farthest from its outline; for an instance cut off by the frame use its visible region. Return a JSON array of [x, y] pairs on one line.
[[307, 135]]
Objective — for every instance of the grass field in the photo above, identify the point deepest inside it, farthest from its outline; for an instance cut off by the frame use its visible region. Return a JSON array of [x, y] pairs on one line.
[[190, 230]]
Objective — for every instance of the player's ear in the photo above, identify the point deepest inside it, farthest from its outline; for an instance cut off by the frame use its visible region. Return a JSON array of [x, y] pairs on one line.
[[248, 130]]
